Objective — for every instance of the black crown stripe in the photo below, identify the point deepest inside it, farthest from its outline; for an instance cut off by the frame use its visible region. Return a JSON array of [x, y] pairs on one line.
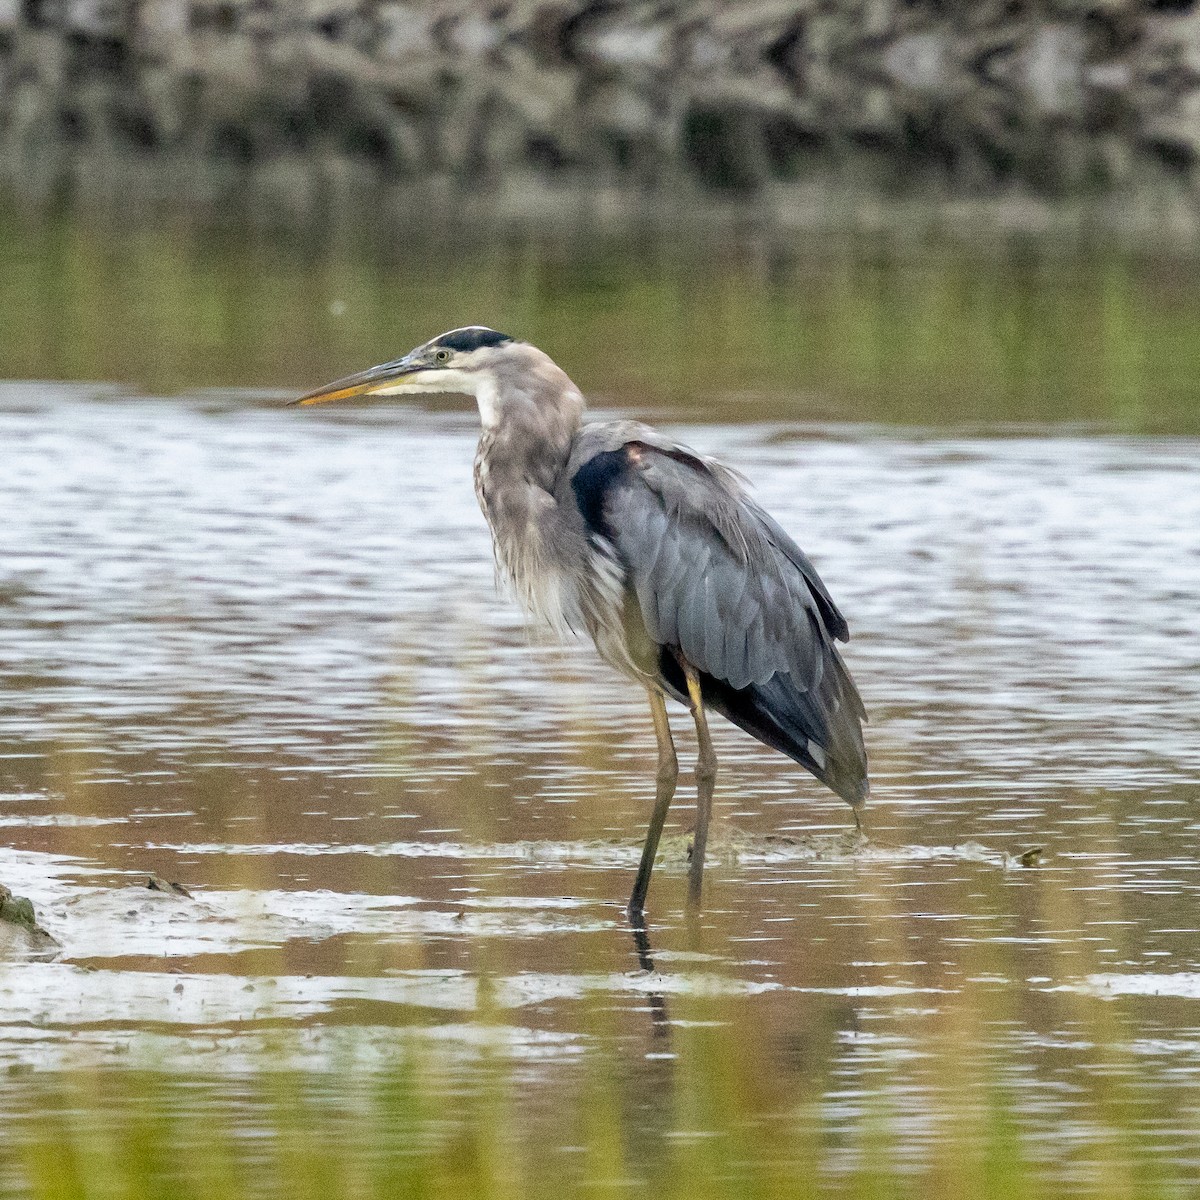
[[474, 337]]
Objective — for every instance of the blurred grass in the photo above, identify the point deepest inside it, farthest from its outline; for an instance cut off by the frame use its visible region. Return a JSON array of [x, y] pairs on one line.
[[710, 1123], [844, 329]]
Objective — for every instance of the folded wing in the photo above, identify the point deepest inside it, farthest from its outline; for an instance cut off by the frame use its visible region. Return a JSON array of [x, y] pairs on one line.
[[721, 586]]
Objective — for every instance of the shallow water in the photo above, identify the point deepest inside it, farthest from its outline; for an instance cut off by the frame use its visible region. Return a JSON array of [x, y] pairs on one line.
[[259, 652]]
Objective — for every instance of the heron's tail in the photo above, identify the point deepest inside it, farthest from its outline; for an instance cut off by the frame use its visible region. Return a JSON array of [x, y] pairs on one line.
[[820, 728]]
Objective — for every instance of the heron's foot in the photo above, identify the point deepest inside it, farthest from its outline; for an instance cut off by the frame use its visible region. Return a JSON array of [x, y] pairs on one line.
[[864, 838]]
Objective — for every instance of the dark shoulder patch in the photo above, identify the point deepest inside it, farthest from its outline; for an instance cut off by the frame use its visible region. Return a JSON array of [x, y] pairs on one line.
[[473, 337], [591, 483]]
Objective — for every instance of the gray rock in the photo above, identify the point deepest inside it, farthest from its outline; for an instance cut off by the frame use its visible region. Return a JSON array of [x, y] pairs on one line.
[[712, 94], [96, 18], [20, 933], [1052, 65], [921, 61], [405, 31]]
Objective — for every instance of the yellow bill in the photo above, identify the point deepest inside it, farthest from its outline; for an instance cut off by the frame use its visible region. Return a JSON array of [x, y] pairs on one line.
[[375, 381]]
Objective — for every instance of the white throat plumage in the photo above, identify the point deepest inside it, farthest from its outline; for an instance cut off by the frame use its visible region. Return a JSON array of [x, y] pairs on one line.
[[479, 384]]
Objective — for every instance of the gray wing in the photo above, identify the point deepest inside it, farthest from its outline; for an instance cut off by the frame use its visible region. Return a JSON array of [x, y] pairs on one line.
[[714, 575], [720, 585]]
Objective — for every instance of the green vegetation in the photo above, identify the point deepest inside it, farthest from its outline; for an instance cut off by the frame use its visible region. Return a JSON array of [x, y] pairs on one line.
[[699, 1119], [844, 330]]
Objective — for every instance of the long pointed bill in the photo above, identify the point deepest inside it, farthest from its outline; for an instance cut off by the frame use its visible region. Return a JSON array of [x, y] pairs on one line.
[[377, 381]]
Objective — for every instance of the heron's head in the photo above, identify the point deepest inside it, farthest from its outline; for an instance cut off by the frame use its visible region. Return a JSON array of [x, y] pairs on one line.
[[501, 372]]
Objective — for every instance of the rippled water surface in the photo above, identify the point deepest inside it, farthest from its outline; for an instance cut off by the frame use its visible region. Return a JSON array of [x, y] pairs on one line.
[[259, 652]]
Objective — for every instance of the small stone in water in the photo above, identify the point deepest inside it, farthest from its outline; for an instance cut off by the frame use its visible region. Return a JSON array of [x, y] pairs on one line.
[[163, 885]]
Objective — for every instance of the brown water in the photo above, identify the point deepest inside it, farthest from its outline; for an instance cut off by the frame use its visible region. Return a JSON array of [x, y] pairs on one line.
[[259, 651]]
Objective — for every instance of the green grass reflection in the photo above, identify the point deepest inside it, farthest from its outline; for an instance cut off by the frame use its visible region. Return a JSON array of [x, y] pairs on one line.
[[856, 329], [705, 1117]]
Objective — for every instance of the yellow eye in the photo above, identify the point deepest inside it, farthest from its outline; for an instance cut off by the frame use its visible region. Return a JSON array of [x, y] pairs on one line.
[[442, 356]]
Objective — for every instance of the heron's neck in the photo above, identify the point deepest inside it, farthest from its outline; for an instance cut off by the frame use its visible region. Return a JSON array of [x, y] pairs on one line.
[[528, 428]]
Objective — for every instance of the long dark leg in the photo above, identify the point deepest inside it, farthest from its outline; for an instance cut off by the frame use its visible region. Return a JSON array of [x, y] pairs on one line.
[[706, 777], [668, 773]]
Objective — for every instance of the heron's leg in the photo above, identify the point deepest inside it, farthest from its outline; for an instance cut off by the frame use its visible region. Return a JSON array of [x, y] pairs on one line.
[[706, 777], [668, 773]]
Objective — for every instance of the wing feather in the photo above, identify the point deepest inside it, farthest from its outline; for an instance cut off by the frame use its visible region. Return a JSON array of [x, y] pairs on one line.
[[710, 577], [721, 585]]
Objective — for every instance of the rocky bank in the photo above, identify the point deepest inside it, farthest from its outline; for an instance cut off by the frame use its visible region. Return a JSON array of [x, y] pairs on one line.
[[298, 106]]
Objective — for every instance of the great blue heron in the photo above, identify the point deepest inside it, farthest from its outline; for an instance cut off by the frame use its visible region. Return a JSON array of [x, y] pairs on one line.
[[683, 582]]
